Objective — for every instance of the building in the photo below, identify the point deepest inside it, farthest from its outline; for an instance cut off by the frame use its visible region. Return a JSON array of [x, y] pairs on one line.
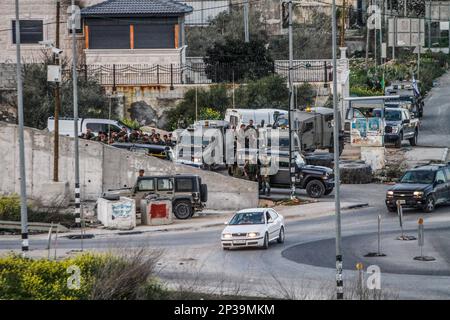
[[112, 31], [135, 32]]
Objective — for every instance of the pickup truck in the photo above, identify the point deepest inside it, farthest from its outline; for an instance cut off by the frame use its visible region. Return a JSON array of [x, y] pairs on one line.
[[66, 126], [400, 125]]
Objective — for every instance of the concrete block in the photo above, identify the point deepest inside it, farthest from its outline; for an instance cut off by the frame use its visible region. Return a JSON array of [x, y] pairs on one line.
[[53, 194], [374, 156]]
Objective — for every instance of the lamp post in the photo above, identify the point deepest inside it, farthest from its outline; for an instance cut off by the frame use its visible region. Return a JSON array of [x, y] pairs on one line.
[[337, 201]]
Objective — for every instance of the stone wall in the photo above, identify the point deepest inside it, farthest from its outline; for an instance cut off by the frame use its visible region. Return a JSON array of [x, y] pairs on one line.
[[101, 168]]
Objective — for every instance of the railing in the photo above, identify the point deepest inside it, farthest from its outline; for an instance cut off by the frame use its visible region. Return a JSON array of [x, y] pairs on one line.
[[197, 72]]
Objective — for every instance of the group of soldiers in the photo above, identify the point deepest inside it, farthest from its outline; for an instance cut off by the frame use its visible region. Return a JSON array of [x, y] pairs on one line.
[[136, 136], [253, 172]]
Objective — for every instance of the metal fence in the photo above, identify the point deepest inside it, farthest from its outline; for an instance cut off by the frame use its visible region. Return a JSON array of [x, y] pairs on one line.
[[197, 72]]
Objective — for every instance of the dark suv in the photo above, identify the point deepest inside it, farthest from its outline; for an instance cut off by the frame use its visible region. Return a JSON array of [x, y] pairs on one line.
[[422, 187], [316, 180]]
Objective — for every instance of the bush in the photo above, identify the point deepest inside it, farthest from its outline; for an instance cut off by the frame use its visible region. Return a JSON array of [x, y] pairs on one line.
[[10, 208], [102, 276], [10, 211]]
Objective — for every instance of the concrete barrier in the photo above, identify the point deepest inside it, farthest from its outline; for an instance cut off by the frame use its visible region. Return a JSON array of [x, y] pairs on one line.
[[102, 167]]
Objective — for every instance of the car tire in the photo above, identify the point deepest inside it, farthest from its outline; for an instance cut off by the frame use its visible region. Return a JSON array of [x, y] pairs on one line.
[[413, 140], [182, 210], [391, 209], [327, 192], [398, 143], [265, 245], [315, 189], [281, 236], [430, 204]]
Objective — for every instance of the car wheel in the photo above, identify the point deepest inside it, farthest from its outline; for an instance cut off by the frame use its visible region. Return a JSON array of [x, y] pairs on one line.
[[430, 204], [413, 140], [281, 236], [327, 192], [392, 209], [315, 189], [182, 210], [398, 143], [266, 241]]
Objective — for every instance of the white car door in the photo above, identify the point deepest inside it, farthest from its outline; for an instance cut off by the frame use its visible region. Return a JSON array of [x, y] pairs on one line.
[[272, 226]]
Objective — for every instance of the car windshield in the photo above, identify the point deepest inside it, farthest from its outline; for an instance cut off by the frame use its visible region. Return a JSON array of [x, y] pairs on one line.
[[393, 115], [421, 177], [247, 218]]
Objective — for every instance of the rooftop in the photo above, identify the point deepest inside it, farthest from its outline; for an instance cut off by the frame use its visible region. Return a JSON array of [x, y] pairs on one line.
[[144, 8]]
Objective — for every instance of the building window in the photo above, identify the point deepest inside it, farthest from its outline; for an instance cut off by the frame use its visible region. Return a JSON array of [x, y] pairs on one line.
[[109, 37], [31, 31], [154, 36]]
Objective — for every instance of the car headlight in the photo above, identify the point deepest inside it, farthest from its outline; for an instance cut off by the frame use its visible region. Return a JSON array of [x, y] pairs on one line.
[[227, 235], [390, 193], [418, 194], [394, 129], [252, 234]]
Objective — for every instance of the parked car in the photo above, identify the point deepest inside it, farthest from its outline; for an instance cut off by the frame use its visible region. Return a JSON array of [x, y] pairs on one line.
[[400, 125], [423, 187], [407, 93], [187, 192], [255, 227], [316, 180], [66, 126]]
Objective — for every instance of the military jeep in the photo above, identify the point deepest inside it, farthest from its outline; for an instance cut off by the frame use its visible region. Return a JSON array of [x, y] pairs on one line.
[[186, 191]]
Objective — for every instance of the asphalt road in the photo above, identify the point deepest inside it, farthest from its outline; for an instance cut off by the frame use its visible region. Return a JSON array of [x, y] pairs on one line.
[[435, 128], [303, 266]]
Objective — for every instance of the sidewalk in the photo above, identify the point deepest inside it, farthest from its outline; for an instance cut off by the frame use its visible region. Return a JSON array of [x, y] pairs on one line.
[[215, 219]]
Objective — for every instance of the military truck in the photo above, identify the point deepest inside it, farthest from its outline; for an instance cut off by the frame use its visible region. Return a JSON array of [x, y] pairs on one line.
[[407, 92], [187, 192], [315, 128]]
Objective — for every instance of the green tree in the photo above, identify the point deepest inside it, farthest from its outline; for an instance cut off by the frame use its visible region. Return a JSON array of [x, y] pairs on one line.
[[235, 60], [39, 101], [267, 92], [209, 103], [227, 25]]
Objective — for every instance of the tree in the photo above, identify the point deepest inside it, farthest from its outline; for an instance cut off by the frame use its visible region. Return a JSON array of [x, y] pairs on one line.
[[210, 103], [268, 92], [311, 41], [39, 101], [236, 59], [224, 26]]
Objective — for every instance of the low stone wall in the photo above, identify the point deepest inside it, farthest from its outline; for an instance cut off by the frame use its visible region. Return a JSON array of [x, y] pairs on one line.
[[101, 167]]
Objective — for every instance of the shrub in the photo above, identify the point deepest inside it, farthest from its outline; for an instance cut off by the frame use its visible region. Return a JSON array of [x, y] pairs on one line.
[[10, 208], [102, 276]]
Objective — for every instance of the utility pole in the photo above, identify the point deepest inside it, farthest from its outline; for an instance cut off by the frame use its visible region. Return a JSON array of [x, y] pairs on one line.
[[339, 282], [246, 30], [343, 18], [291, 104], [57, 103], [78, 211], [23, 183]]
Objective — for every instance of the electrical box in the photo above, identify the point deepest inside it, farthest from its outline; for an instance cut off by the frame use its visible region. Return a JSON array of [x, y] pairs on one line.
[[54, 73]]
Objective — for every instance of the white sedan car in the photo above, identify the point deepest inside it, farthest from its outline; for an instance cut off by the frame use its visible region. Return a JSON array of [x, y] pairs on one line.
[[254, 227]]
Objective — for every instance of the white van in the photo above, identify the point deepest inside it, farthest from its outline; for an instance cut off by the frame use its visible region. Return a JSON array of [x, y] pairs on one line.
[[237, 117], [66, 126]]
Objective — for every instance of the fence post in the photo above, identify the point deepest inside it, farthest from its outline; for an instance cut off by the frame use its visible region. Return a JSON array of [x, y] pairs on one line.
[[157, 73], [273, 68], [114, 78], [171, 76], [326, 72], [85, 72]]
